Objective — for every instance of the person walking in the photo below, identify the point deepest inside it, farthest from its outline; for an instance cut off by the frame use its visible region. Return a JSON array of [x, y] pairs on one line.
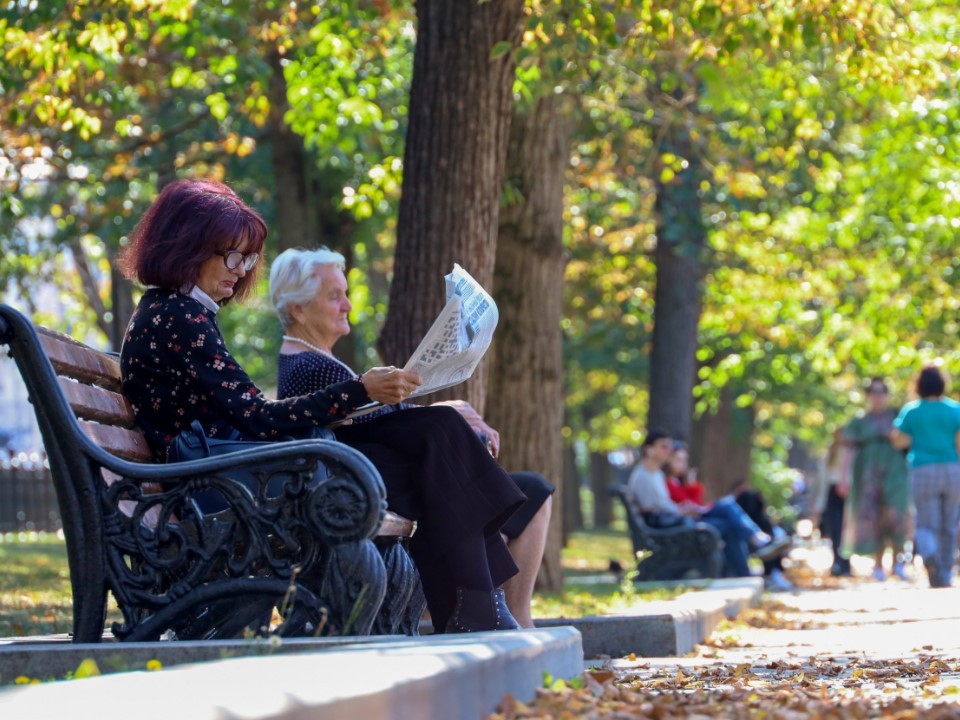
[[837, 481], [930, 428], [878, 504]]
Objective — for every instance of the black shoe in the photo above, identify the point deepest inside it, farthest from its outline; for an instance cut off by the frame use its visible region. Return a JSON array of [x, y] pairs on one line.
[[933, 571], [480, 610], [841, 568]]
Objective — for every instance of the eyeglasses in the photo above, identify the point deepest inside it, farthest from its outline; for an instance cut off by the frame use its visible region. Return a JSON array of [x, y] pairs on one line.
[[234, 258]]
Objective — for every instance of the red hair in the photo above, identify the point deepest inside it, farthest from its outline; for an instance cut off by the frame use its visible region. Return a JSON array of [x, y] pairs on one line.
[[188, 223]]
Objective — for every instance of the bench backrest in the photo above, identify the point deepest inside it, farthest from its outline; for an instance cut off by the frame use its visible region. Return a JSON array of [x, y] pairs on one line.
[[90, 380], [639, 530]]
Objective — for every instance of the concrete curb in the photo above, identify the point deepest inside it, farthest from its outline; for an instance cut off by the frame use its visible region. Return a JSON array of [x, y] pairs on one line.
[[665, 628], [52, 660], [455, 677]]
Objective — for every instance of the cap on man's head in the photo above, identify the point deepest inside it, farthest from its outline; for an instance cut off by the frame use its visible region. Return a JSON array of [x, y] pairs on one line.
[[653, 436]]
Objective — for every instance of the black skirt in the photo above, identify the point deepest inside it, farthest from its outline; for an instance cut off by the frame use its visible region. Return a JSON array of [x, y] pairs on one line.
[[438, 472], [537, 489]]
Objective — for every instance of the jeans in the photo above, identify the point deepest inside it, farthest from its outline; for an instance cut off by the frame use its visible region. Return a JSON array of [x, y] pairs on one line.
[[736, 528]]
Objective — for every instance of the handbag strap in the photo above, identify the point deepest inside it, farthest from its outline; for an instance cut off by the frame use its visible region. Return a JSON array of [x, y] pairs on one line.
[[197, 429]]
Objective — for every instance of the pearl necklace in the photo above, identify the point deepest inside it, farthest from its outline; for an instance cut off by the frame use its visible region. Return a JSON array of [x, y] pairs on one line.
[[313, 347]]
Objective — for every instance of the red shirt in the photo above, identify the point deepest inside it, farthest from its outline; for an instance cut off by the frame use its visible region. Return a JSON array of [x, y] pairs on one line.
[[680, 493]]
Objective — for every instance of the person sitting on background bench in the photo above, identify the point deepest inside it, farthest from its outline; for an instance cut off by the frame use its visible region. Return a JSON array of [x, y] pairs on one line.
[[647, 489], [755, 506], [196, 248], [308, 290]]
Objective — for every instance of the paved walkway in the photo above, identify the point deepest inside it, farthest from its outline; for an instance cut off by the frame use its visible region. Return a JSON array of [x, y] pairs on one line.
[[859, 646]]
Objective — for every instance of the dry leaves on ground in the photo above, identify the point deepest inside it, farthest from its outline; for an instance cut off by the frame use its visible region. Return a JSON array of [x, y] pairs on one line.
[[826, 688]]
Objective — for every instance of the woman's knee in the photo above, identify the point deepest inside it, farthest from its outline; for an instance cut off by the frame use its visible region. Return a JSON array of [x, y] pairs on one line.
[[541, 518]]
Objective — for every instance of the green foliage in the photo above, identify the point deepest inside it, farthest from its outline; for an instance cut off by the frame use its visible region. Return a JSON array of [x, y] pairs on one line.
[[109, 101], [828, 132], [254, 338]]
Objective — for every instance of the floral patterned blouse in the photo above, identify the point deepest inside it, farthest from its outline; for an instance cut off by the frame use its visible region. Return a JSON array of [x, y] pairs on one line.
[[176, 368]]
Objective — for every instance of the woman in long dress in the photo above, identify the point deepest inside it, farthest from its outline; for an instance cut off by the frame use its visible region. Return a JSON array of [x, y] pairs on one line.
[[878, 513]]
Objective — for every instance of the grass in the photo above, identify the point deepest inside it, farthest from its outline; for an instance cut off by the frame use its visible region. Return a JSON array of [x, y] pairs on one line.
[[589, 552], [35, 595], [588, 555]]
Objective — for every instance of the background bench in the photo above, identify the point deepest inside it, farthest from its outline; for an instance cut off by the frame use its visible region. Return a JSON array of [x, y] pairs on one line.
[[132, 528], [683, 552]]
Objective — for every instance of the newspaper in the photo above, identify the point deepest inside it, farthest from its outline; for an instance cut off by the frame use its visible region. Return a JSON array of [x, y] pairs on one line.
[[457, 340]]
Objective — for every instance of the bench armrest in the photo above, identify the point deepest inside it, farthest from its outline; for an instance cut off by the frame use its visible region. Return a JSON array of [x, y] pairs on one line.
[[332, 488]]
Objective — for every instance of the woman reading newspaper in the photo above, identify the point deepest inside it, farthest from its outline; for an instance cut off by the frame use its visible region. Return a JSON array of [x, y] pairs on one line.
[[436, 468]]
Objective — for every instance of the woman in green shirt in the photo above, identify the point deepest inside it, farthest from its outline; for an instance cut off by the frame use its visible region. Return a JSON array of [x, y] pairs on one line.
[[878, 503], [930, 427]]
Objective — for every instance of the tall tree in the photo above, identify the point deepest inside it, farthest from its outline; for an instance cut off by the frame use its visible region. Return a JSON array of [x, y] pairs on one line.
[[457, 135], [528, 351], [296, 216], [681, 246]]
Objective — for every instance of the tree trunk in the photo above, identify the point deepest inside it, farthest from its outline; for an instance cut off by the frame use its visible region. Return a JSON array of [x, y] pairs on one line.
[[601, 478], [91, 288], [291, 170], [721, 446], [459, 124], [525, 389], [572, 509], [121, 306], [681, 242]]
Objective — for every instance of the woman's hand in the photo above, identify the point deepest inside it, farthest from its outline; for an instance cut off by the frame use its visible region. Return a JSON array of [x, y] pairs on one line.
[[900, 440], [475, 421], [389, 385]]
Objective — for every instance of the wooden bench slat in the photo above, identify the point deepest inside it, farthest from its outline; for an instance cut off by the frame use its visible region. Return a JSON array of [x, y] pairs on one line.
[[77, 361], [127, 444], [90, 402]]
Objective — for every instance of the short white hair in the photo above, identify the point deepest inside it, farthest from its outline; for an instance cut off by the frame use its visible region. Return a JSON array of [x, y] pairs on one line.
[[294, 279]]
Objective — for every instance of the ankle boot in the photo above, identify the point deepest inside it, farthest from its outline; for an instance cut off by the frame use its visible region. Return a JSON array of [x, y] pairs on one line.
[[479, 610]]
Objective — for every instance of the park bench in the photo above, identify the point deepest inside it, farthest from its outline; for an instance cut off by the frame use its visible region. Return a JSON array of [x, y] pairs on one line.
[[132, 527], [675, 553]]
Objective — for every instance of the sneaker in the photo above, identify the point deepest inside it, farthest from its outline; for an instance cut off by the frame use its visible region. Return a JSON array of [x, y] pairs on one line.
[[776, 581], [879, 574], [900, 570], [775, 548]]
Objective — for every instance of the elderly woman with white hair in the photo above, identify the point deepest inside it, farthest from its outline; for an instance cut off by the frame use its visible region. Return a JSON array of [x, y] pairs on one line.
[[435, 467]]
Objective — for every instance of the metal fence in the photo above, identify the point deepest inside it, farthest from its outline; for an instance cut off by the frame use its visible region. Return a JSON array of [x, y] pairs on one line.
[[28, 501]]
